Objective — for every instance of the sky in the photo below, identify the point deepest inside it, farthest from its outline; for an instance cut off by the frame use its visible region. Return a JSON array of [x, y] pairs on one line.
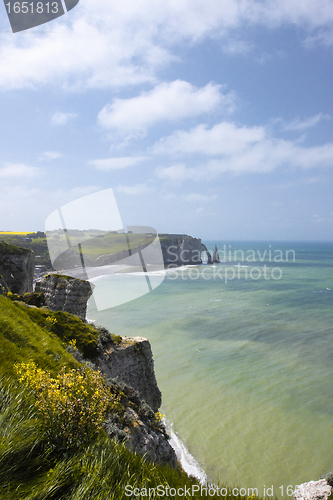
[[206, 117]]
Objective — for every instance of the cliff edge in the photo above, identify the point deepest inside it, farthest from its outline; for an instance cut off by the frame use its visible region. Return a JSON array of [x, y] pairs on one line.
[[180, 250], [63, 293], [17, 268], [131, 362]]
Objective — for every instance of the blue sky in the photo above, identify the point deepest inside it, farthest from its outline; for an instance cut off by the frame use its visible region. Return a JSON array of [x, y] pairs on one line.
[[211, 118]]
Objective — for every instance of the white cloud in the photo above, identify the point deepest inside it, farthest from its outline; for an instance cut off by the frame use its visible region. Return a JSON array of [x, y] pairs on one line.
[[84, 51], [133, 190], [270, 154], [122, 43], [198, 197], [308, 123], [60, 119], [236, 46], [324, 37], [79, 192], [178, 173], [239, 150], [107, 164], [223, 138], [304, 13], [18, 170], [165, 102], [49, 155]]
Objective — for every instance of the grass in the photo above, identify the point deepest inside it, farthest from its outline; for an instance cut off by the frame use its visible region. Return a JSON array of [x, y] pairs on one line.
[[101, 470], [22, 338], [68, 327], [9, 249]]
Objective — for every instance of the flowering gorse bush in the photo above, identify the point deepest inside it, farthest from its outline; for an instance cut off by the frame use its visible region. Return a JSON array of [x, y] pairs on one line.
[[49, 322], [72, 406]]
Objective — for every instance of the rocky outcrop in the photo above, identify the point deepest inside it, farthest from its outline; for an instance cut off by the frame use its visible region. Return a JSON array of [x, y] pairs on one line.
[[209, 257], [131, 362], [180, 250], [64, 293], [17, 268], [141, 430], [216, 257], [313, 490], [149, 442], [128, 366], [3, 286]]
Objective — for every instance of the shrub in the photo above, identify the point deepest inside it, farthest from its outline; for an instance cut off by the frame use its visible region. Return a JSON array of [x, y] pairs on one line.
[[72, 406], [32, 299]]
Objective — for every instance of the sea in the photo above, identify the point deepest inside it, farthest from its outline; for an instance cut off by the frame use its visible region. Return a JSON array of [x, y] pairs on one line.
[[243, 354]]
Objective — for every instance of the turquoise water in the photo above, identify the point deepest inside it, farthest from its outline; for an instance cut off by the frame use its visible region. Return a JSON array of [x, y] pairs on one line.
[[245, 366]]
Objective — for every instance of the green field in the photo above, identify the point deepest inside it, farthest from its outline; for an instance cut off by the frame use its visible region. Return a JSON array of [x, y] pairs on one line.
[[94, 245]]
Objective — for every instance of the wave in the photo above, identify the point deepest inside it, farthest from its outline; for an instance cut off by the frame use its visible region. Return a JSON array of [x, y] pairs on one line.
[[187, 461]]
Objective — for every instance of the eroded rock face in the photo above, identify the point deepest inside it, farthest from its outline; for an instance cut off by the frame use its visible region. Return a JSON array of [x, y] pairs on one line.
[[64, 293], [132, 362], [216, 257], [149, 442], [180, 250], [17, 268], [313, 490], [139, 434], [3, 286]]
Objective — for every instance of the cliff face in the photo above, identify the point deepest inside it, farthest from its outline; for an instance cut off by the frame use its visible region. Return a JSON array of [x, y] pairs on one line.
[[140, 429], [63, 293], [216, 257], [17, 268], [130, 365], [141, 436], [180, 250], [3, 286], [131, 362]]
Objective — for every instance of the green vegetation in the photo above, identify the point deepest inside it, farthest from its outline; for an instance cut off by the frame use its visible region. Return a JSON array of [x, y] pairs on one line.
[[99, 470], [32, 299], [96, 250], [72, 406], [52, 442], [95, 244], [67, 327], [11, 249], [115, 243], [21, 339]]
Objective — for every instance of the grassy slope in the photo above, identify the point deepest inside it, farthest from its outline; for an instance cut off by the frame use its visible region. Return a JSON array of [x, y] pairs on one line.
[[9, 249], [22, 339]]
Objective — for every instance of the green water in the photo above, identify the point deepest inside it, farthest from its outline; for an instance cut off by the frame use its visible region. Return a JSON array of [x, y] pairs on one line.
[[245, 366]]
